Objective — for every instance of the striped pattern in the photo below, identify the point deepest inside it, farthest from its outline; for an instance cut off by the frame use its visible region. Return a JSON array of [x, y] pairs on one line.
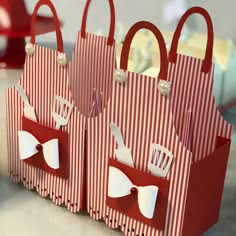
[[192, 89], [144, 117], [187, 142], [43, 78], [91, 72]]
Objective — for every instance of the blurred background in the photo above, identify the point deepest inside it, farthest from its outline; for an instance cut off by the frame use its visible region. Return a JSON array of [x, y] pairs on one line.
[[128, 12]]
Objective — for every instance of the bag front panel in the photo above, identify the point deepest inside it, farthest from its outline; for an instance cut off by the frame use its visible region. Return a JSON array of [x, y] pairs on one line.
[[144, 117], [193, 90], [42, 79]]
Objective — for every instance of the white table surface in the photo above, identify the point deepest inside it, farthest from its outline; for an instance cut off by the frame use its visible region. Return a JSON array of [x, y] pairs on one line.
[[24, 213]]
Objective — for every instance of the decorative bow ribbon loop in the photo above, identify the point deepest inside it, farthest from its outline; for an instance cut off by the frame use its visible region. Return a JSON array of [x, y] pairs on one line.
[[29, 145], [119, 185]]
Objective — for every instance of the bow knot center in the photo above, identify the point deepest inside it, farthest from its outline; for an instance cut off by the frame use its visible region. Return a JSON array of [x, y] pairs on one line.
[[134, 191], [39, 147]]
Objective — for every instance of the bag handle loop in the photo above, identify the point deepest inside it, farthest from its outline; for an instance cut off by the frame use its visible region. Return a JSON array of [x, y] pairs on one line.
[[207, 62], [128, 40], [112, 22], [56, 22]]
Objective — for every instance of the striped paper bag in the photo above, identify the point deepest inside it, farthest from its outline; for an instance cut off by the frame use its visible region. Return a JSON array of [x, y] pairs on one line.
[[203, 130], [45, 132], [137, 168]]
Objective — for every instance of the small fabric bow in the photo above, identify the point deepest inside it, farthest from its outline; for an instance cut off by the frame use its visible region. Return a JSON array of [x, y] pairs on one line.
[[119, 185], [29, 145]]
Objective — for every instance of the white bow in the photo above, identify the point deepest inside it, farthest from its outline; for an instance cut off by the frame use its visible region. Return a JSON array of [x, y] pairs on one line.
[[119, 185], [28, 147]]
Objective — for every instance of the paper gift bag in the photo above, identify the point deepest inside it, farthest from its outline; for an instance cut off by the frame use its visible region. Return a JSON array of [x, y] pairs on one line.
[[192, 89], [124, 144], [201, 129], [45, 132], [91, 67]]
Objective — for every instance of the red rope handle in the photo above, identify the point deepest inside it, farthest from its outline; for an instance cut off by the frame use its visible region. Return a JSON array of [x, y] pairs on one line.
[[56, 21], [128, 40], [112, 21], [206, 66]]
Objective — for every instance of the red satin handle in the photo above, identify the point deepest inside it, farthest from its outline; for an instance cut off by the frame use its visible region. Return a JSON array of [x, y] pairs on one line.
[[56, 21], [128, 40], [112, 21], [206, 66]]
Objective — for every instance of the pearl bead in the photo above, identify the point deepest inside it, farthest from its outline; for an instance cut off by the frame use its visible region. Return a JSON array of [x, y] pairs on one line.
[[120, 76], [164, 87], [134, 191], [62, 59], [39, 147], [29, 49]]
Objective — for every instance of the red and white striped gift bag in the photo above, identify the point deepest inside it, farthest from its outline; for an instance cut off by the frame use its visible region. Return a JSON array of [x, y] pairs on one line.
[[144, 117], [91, 67], [192, 89], [45, 76]]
